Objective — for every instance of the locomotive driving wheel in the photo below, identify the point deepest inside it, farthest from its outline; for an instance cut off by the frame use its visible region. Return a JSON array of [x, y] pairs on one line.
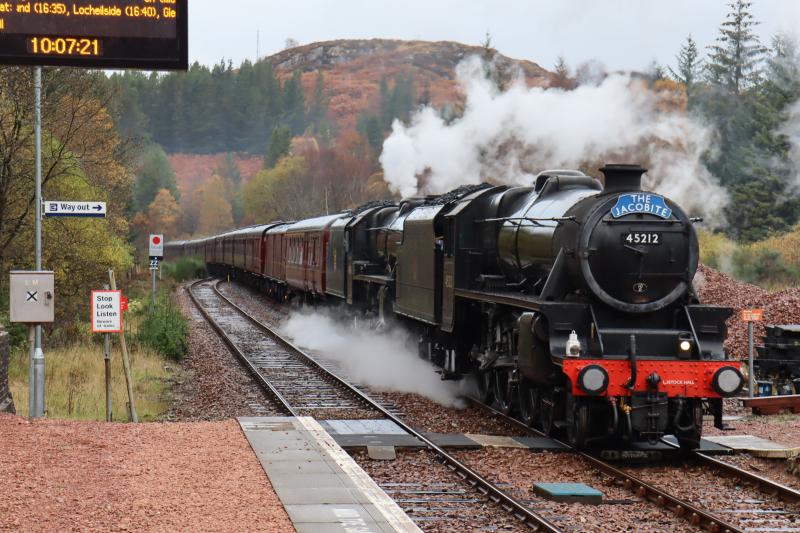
[[578, 426], [547, 412], [503, 390], [528, 399], [484, 380]]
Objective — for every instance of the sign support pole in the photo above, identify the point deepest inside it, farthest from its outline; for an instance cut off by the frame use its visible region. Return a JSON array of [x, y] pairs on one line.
[[153, 274], [32, 352], [107, 364], [37, 361], [750, 356], [132, 416], [107, 361]]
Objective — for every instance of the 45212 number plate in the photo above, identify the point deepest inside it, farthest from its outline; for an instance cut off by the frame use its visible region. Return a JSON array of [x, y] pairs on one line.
[[641, 237]]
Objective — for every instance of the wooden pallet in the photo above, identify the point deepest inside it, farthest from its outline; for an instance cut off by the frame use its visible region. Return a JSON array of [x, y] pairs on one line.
[[772, 405]]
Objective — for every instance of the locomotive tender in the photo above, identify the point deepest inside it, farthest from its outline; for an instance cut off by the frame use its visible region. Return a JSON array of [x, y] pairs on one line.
[[571, 303]]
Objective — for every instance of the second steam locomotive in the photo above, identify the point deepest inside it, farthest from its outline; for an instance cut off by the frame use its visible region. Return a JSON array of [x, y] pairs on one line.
[[570, 302]]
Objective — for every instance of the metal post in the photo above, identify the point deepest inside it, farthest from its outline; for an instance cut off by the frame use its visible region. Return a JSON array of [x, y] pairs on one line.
[[32, 350], [750, 355], [38, 358], [107, 361], [153, 275]]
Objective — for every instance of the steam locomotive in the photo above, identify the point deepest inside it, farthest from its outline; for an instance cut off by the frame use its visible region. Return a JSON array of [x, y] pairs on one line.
[[571, 303]]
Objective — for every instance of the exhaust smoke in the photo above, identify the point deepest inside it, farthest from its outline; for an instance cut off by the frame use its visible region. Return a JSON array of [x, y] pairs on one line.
[[506, 137], [381, 360]]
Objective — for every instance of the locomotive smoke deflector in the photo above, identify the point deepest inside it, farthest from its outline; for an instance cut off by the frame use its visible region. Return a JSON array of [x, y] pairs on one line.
[[622, 177]]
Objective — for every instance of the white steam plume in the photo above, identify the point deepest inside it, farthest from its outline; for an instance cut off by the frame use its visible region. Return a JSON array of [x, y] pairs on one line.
[[380, 360], [791, 128], [506, 136]]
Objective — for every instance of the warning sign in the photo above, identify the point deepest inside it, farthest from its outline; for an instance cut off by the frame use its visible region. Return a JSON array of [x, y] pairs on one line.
[[752, 315], [156, 246], [106, 311]]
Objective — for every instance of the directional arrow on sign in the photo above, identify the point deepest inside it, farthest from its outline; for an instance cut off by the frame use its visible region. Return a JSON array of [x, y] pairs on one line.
[[75, 209]]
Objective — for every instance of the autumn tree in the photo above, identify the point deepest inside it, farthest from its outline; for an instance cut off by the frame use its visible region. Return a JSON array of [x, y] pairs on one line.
[[153, 173], [164, 214], [215, 211], [83, 158]]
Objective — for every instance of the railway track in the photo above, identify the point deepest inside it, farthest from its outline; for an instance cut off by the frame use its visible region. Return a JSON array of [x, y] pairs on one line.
[[306, 388], [756, 516]]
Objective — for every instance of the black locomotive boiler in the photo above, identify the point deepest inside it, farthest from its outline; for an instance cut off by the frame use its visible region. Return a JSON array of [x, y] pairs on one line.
[[570, 302]]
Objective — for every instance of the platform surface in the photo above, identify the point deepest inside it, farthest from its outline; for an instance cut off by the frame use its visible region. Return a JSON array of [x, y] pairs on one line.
[[319, 484], [757, 446], [365, 433]]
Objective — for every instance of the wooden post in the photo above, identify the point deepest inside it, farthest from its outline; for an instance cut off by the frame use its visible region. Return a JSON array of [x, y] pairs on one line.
[[132, 416], [107, 363]]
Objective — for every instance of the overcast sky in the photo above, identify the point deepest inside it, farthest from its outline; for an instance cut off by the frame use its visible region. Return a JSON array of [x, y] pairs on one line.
[[622, 34]]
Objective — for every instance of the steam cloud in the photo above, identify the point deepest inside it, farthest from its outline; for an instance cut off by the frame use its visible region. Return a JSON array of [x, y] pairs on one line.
[[380, 360], [507, 136], [791, 128]]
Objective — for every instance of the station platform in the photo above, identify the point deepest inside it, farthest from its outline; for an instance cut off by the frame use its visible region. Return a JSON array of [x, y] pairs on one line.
[[321, 487], [351, 434]]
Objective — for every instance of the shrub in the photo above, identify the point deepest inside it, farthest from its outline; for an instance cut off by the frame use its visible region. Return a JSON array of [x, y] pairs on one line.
[[764, 266], [165, 329], [185, 269]]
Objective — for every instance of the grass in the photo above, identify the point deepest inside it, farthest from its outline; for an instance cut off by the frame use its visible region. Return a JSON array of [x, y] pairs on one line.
[[75, 382], [75, 371]]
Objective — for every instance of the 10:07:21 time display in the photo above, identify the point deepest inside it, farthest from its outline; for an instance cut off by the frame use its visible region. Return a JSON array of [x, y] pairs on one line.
[[65, 46]]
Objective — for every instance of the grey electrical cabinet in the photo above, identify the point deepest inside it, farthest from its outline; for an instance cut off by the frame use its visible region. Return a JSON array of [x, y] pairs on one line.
[[32, 298]]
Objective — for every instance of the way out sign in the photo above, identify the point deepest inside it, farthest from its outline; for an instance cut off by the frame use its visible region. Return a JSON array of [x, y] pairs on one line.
[[75, 209], [106, 311]]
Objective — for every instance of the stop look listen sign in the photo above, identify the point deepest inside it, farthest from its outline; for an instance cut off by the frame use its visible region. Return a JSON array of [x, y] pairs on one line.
[[106, 311]]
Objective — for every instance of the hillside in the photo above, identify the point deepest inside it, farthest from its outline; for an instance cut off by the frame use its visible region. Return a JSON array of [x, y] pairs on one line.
[[353, 70]]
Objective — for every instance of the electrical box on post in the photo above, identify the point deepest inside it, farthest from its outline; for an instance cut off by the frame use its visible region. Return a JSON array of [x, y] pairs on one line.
[[32, 298]]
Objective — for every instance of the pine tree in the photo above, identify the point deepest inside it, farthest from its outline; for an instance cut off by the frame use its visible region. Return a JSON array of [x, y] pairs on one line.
[[294, 104], [495, 68], [279, 145], [319, 106], [735, 61], [562, 79], [688, 68]]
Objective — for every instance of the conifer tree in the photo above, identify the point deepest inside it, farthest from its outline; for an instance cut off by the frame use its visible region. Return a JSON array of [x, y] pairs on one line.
[[735, 61], [279, 145], [687, 70]]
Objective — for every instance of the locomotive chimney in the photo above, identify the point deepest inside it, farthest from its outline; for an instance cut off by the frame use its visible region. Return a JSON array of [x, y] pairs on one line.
[[623, 177]]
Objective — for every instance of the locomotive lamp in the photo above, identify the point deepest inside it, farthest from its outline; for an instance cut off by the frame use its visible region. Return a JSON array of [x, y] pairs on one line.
[[593, 380], [573, 345], [686, 346], [727, 381]]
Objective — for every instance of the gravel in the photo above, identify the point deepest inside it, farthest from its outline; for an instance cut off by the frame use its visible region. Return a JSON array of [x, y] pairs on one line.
[[782, 307], [93, 476], [520, 469], [428, 416], [738, 504], [211, 383], [774, 469]]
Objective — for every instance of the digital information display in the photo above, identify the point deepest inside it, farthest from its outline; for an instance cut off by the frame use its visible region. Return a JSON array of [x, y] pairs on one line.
[[141, 34]]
